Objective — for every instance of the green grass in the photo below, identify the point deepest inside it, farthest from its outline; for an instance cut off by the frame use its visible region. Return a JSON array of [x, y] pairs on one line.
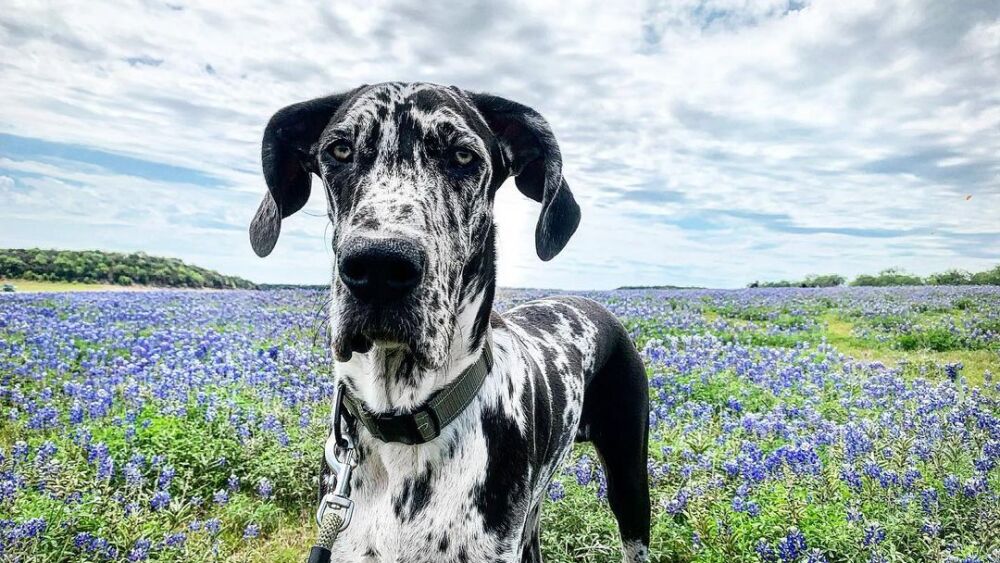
[[839, 333], [49, 286]]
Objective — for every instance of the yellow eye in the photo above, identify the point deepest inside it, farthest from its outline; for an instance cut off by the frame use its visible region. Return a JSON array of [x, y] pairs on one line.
[[462, 157], [341, 152]]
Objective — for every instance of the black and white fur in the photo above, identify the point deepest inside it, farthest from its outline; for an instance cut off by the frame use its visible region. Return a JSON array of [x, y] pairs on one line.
[[565, 369]]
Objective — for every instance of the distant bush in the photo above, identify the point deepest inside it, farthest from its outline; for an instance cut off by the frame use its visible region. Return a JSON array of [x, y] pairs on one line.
[[93, 266], [888, 277], [951, 277], [989, 277], [892, 277], [825, 280]]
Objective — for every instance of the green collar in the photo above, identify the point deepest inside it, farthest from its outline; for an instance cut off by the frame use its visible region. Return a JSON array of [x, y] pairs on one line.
[[426, 423]]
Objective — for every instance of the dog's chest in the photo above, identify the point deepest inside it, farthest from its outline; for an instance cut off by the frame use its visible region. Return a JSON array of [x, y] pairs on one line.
[[469, 495], [417, 508]]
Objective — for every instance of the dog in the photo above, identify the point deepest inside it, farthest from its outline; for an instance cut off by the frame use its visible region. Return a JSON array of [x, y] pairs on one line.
[[410, 173]]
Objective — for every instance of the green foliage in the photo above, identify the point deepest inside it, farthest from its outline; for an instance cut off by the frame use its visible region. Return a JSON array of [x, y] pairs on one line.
[[950, 277], [93, 266], [989, 277], [813, 280], [892, 277], [888, 277]]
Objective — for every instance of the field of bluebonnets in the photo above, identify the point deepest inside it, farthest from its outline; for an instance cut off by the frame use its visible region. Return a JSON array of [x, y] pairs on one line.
[[847, 424]]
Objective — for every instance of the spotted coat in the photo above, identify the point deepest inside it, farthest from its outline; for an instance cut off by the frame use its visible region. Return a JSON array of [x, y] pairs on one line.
[[564, 367]]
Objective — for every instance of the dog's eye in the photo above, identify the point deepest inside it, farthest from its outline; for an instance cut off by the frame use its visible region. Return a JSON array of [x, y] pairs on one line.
[[341, 152], [462, 157]]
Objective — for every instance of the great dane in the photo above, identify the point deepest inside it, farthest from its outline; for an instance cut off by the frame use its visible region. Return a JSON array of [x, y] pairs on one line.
[[410, 173]]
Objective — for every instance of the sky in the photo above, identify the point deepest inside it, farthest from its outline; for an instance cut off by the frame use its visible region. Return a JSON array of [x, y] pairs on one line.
[[709, 143]]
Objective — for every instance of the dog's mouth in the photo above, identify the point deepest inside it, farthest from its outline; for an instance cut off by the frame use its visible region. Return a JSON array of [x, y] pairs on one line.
[[361, 328]]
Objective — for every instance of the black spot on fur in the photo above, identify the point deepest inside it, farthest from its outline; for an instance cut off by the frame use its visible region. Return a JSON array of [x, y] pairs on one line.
[[421, 493], [399, 502], [506, 473]]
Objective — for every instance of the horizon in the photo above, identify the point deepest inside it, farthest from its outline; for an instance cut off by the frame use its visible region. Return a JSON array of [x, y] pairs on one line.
[[846, 281], [747, 141]]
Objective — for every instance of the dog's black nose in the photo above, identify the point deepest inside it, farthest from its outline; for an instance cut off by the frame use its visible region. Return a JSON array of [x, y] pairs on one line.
[[380, 270]]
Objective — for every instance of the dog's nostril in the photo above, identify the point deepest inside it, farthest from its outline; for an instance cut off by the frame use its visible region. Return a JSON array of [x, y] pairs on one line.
[[402, 274], [355, 270], [377, 270]]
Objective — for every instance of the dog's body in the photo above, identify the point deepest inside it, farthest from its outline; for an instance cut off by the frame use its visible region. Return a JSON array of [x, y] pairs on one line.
[[410, 172], [563, 368]]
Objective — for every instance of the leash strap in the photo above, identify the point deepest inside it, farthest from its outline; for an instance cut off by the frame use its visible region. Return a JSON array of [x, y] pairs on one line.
[[426, 423], [328, 532]]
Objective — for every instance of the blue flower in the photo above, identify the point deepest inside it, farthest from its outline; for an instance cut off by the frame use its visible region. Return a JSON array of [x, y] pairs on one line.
[[556, 491], [765, 551], [874, 535], [140, 552], [265, 488], [160, 500], [792, 546]]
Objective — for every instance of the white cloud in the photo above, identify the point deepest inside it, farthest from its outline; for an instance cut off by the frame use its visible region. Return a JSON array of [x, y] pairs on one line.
[[709, 142]]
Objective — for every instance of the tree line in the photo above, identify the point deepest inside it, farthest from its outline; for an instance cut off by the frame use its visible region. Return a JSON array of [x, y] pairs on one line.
[[95, 266], [891, 277]]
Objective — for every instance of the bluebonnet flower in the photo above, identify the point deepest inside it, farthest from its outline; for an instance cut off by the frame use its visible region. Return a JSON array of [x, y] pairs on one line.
[[220, 497], [874, 535], [952, 370], [20, 451], [233, 482], [167, 473], [213, 525], [928, 500], [83, 541], [951, 485], [734, 404], [46, 451], [677, 504], [160, 500], [265, 488], [251, 531], [792, 546], [140, 552], [175, 540], [556, 491], [851, 478], [765, 551], [133, 475], [974, 487], [584, 471], [34, 527]]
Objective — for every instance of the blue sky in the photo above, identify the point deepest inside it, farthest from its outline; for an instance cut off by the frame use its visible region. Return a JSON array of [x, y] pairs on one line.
[[709, 142]]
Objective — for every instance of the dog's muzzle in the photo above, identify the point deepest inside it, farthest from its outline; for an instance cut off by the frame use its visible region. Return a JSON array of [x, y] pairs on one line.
[[381, 271]]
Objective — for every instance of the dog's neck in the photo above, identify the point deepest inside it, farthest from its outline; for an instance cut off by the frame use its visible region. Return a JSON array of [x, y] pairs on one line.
[[386, 379]]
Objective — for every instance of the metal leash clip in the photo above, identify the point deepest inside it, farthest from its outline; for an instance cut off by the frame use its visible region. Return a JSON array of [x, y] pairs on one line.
[[339, 444], [338, 499]]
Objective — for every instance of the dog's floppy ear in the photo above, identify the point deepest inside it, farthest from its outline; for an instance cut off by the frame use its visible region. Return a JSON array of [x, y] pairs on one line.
[[537, 168], [286, 155]]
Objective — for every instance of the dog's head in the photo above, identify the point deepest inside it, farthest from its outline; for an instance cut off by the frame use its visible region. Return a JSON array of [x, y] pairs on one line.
[[410, 172]]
